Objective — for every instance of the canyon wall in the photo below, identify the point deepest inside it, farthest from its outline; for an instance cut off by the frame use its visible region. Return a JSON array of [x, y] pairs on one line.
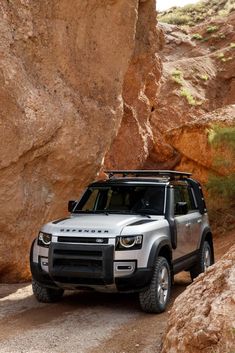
[[196, 94], [66, 71]]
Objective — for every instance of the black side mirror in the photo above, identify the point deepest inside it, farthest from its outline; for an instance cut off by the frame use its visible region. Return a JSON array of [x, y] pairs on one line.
[[71, 205], [181, 208]]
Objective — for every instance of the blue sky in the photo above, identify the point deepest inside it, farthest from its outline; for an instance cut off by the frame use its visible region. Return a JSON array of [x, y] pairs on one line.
[[166, 4]]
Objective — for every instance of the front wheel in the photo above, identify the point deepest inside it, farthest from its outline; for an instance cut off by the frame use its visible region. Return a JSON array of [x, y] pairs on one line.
[[46, 295], [156, 297], [205, 259]]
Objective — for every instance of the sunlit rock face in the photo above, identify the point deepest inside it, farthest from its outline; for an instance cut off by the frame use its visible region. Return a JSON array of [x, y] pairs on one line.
[[66, 68], [197, 92], [203, 316], [135, 139]]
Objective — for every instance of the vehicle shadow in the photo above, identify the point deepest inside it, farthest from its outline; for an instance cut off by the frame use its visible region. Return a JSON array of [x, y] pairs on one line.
[[26, 313], [73, 300]]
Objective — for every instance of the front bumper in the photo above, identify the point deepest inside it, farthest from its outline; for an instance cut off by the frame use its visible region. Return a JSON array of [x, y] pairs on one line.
[[81, 264], [74, 266]]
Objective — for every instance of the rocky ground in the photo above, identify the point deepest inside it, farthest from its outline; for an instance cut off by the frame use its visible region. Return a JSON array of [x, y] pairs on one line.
[[84, 322]]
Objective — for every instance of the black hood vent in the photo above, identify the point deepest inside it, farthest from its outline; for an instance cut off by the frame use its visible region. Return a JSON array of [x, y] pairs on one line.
[[142, 221]]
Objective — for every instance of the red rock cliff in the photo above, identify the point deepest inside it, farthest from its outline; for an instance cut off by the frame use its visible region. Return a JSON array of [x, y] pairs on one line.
[[65, 78]]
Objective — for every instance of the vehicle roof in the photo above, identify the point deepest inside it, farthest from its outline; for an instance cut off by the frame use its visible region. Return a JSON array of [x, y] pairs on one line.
[[131, 181]]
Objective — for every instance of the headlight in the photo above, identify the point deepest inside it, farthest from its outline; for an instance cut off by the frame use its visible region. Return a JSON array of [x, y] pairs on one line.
[[44, 239], [131, 242]]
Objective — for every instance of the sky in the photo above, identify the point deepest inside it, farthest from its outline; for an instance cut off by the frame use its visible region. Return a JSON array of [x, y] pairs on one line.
[[166, 4]]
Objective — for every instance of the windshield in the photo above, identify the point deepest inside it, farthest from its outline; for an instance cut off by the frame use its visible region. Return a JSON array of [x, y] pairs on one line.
[[123, 199]]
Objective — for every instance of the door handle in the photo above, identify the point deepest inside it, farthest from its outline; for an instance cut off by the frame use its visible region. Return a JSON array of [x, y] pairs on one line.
[[187, 225], [199, 221]]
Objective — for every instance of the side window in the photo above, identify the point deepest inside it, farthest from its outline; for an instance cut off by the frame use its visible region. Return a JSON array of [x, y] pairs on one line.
[[192, 199], [183, 193], [178, 196]]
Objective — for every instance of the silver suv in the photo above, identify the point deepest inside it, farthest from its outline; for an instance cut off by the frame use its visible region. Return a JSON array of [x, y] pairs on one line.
[[129, 233]]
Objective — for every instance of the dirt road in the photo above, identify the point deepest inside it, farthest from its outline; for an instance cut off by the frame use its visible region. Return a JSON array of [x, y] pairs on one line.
[[83, 322]]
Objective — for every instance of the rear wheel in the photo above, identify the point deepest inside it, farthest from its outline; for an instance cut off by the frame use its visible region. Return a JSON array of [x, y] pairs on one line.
[[46, 295], [156, 297], [205, 259]]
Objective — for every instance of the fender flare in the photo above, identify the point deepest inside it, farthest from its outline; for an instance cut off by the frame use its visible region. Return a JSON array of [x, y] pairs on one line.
[[155, 250], [207, 232]]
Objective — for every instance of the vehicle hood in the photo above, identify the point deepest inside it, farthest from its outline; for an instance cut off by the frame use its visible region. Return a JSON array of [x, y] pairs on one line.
[[95, 224]]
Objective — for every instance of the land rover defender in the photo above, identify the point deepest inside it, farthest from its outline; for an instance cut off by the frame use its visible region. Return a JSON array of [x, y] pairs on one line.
[[129, 233]]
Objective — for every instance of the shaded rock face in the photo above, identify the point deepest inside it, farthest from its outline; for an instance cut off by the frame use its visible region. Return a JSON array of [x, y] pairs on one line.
[[203, 317], [64, 69]]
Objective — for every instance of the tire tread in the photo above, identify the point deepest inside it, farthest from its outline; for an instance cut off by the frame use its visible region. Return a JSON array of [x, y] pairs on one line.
[[46, 295], [147, 298]]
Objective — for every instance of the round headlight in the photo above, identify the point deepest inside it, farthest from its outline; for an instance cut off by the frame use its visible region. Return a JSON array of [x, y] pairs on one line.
[[127, 242], [45, 238]]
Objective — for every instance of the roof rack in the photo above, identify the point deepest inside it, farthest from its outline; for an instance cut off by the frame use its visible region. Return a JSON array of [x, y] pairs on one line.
[[170, 174]]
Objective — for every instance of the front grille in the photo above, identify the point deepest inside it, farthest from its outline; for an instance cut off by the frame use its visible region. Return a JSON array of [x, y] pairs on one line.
[[81, 263], [60, 253], [83, 240]]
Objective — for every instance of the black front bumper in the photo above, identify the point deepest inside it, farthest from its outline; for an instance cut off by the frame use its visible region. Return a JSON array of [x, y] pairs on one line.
[[86, 265], [137, 281], [81, 264]]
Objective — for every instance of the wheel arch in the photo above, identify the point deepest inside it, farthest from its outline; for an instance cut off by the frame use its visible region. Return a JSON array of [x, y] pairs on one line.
[[162, 248], [207, 236]]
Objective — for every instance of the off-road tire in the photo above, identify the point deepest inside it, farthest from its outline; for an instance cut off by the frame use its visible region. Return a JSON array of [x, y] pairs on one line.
[[46, 295], [199, 266], [149, 298]]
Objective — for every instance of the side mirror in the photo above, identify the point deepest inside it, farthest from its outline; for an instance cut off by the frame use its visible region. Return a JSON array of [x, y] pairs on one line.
[[71, 205], [181, 208]]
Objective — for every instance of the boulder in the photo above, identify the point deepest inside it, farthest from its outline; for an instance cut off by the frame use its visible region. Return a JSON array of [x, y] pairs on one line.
[[203, 316]]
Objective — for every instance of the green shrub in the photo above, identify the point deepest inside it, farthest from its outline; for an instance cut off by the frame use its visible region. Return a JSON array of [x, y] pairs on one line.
[[204, 77], [177, 76], [195, 13], [220, 55], [222, 36], [184, 92], [218, 136], [212, 29], [197, 36], [175, 19], [229, 58], [223, 186]]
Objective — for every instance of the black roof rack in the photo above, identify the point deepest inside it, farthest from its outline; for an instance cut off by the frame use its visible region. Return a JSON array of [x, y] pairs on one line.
[[171, 174]]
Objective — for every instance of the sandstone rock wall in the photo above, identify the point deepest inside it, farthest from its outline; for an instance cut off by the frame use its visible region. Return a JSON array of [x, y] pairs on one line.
[[64, 68], [203, 316], [135, 139], [196, 93]]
